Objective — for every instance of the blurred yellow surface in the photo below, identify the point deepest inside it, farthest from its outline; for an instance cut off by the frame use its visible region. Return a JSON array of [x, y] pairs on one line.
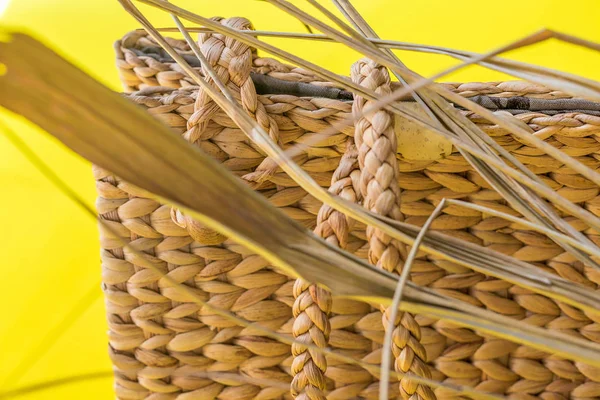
[[50, 247]]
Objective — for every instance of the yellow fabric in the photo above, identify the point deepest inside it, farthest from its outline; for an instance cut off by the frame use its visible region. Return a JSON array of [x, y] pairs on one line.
[[50, 247]]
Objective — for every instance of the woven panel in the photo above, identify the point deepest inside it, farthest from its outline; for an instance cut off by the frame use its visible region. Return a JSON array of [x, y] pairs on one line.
[[162, 344]]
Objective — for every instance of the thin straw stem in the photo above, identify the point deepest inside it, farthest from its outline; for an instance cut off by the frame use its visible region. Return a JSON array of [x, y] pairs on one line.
[[386, 359]]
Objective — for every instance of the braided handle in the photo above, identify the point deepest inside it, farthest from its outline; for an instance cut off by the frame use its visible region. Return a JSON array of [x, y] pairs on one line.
[[312, 303], [376, 142], [232, 62]]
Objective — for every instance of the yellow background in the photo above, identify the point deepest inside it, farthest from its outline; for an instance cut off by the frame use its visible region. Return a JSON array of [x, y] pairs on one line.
[[49, 248]]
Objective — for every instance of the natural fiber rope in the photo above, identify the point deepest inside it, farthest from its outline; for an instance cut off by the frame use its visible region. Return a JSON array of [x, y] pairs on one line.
[[311, 325], [376, 141], [312, 303], [232, 62]]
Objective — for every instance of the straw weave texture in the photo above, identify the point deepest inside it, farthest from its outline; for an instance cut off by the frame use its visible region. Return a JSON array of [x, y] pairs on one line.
[[161, 343]]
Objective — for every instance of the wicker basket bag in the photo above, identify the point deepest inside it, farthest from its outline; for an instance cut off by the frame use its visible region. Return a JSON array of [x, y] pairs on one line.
[[165, 347]]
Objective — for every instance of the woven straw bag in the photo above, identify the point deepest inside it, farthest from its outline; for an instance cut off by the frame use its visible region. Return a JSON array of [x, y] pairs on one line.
[[164, 347]]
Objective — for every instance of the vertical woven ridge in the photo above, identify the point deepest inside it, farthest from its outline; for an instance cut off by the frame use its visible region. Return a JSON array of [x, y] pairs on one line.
[[376, 141], [313, 303]]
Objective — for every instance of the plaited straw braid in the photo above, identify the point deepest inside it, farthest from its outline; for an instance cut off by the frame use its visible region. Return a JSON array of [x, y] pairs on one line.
[[313, 303], [376, 141], [311, 325], [232, 62]]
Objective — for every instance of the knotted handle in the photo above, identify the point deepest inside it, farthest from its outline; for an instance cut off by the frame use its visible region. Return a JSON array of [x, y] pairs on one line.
[[232, 62]]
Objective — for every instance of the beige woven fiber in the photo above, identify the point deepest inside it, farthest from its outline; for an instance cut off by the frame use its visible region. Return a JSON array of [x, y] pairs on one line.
[[164, 347]]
